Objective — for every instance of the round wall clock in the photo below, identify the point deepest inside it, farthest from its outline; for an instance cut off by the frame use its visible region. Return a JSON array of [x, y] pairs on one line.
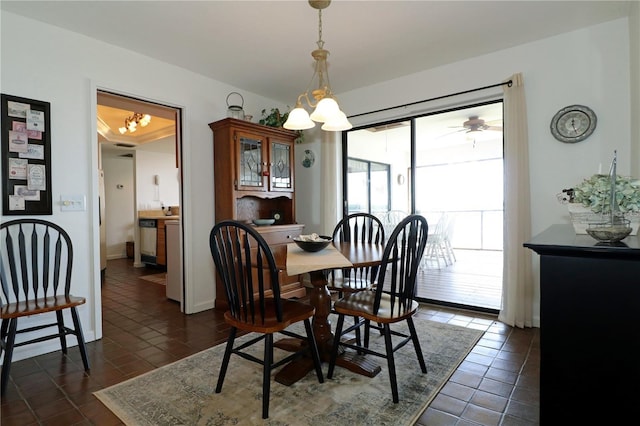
[[573, 124]]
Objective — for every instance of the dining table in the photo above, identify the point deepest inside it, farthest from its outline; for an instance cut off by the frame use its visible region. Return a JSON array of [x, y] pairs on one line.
[[338, 255]]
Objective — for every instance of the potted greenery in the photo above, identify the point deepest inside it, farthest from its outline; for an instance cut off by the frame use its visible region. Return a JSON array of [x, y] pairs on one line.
[[595, 193], [276, 119], [590, 200]]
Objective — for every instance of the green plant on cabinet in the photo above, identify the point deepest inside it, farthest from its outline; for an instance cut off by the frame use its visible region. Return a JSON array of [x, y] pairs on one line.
[[276, 119]]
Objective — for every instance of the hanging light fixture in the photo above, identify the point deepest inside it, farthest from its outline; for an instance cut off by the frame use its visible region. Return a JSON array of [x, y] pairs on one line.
[[326, 107], [131, 123]]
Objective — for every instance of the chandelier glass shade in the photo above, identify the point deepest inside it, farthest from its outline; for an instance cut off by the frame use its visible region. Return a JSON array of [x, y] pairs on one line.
[[131, 123], [325, 106]]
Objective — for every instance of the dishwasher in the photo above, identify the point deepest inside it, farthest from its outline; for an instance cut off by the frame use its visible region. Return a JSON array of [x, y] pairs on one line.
[[148, 240]]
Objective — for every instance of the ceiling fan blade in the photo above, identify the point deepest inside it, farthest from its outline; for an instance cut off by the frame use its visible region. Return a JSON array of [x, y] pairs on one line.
[[451, 133]]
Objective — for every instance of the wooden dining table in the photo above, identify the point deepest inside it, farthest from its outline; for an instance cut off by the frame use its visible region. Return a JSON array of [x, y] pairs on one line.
[[319, 264]]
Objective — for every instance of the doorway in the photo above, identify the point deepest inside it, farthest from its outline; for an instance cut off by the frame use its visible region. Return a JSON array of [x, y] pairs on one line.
[[139, 157], [447, 166]]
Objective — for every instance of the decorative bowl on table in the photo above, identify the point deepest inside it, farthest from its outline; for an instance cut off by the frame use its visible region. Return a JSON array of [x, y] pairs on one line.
[[312, 242], [608, 232], [263, 222]]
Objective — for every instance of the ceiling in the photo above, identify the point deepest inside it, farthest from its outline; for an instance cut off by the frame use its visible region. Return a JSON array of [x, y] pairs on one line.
[[265, 46], [112, 111]]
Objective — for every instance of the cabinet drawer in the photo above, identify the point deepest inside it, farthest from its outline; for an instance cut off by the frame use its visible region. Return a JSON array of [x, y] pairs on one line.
[[280, 234]]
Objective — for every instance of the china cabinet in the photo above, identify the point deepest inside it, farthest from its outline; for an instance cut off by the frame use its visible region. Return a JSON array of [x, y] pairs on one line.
[[254, 179]]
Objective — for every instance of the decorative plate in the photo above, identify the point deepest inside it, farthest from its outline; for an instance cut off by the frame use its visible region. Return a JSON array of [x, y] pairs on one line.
[[309, 158]]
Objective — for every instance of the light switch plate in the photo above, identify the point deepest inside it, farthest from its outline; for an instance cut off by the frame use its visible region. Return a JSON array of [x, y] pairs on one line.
[[73, 203]]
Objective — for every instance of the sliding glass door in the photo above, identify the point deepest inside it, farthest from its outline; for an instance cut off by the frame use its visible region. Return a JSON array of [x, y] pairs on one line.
[[368, 183], [447, 166]]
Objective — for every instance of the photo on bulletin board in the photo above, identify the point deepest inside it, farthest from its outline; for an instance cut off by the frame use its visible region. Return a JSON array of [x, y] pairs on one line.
[[26, 156]]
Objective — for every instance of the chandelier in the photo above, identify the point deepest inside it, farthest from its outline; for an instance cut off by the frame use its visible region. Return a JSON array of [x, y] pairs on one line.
[[131, 123], [326, 109]]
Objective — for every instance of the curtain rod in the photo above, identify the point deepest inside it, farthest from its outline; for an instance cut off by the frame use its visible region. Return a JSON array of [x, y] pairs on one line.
[[508, 83]]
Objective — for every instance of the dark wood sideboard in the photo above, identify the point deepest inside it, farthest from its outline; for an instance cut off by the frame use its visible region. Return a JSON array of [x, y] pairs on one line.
[[589, 326]]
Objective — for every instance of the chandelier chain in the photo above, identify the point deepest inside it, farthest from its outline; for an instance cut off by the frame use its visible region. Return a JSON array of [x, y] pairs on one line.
[[320, 41]]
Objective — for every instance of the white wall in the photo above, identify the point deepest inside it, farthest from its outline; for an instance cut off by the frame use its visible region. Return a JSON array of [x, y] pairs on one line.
[[66, 69], [162, 163], [589, 66], [119, 203]]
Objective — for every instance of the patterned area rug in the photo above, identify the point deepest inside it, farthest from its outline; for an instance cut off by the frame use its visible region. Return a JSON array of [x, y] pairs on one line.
[[156, 278], [182, 393]]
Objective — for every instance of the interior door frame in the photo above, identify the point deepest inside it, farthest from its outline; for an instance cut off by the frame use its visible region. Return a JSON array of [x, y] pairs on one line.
[[94, 202]]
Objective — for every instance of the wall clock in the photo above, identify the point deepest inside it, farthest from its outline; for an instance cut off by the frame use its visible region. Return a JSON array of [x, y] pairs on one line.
[[573, 124]]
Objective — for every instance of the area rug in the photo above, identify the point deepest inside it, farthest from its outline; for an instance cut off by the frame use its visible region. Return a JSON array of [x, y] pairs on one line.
[[182, 393], [156, 278]]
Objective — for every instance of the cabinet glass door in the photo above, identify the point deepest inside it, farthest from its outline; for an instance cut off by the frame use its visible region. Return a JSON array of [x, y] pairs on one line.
[[281, 170], [251, 160]]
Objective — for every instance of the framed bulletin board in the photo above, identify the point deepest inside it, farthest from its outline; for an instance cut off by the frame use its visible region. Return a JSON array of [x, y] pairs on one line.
[[26, 156]]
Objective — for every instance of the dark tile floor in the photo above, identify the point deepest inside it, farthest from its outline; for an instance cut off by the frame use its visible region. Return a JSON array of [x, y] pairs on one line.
[[497, 384]]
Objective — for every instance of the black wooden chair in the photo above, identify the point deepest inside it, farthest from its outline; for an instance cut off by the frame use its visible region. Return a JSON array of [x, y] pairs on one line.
[[391, 302], [246, 265], [36, 259], [356, 227]]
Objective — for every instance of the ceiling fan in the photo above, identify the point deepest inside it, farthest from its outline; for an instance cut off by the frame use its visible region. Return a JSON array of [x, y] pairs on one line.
[[477, 124]]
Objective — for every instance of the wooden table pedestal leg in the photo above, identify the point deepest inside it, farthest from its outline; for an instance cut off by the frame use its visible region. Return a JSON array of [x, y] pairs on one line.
[[320, 299]]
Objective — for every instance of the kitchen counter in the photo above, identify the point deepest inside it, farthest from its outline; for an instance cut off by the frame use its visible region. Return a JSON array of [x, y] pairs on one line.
[[156, 214]]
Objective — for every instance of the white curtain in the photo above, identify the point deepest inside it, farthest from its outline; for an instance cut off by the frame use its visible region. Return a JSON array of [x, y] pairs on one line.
[[330, 176], [517, 287]]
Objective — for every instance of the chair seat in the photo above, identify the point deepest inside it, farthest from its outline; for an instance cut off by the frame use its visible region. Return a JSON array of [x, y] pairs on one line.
[[292, 312], [361, 304], [39, 306]]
